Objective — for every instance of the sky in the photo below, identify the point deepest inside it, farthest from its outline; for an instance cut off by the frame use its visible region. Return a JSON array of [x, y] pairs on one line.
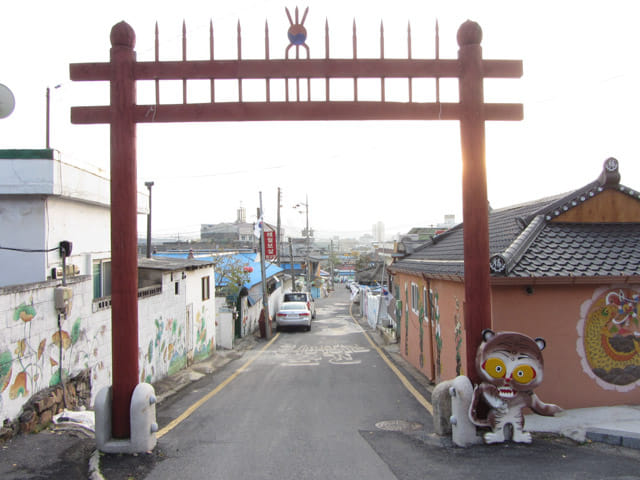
[[579, 91]]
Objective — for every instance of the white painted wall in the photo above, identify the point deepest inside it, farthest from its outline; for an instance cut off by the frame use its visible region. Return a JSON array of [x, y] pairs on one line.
[[22, 223], [203, 325], [46, 201]]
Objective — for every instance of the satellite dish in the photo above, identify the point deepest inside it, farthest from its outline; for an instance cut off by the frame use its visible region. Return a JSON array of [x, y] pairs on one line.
[[7, 102]]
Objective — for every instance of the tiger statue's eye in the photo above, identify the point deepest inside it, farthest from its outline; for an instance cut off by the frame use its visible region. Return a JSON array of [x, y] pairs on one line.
[[523, 373], [494, 367]]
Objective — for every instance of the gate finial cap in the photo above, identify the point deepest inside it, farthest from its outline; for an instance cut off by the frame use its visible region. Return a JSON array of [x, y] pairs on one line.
[[122, 35], [469, 33]]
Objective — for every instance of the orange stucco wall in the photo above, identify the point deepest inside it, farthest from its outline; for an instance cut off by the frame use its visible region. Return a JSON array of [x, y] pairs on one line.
[[557, 313], [440, 353]]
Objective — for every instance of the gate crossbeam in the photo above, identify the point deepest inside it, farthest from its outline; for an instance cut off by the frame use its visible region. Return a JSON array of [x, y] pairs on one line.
[[298, 68], [267, 70], [294, 111]]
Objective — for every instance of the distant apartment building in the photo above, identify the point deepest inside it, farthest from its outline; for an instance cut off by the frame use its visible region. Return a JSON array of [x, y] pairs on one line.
[[237, 234], [377, 231]]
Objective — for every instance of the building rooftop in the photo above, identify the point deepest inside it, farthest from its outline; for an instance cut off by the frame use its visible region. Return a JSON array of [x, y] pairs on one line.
[[593, 231]]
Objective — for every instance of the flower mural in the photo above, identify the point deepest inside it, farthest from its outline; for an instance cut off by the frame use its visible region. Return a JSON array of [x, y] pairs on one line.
[[6, 366]]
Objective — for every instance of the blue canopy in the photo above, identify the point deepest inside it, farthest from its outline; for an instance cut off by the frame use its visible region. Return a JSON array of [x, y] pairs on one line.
[[246, 259]]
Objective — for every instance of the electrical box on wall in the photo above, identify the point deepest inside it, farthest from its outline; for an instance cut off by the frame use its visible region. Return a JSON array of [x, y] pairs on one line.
[[62, 299]]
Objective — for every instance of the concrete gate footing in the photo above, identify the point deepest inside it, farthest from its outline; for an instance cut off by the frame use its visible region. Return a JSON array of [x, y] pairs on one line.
[[143, 421]]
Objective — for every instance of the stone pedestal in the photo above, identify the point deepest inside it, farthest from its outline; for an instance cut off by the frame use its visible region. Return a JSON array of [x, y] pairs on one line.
[[142, 417]]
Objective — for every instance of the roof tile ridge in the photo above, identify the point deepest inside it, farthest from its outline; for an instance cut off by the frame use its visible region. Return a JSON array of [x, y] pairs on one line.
[[505, 261], [437, 238]]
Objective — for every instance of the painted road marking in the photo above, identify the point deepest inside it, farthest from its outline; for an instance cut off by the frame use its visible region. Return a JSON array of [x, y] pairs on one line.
[[418, 396], [174, 423], [336, 354]]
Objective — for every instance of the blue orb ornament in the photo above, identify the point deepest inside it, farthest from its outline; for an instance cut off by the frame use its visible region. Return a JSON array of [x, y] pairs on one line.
[[297, 34]]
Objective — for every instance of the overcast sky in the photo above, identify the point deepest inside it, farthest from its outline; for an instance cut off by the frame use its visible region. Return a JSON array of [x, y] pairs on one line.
[[579, 91]]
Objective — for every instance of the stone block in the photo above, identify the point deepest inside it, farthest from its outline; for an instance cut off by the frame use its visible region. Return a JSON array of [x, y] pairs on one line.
[[441, 401], [603, 435], [631, 440], [44, 403], [28, 421], [45, 418]]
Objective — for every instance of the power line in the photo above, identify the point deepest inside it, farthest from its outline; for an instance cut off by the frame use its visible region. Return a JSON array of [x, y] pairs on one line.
[[29, 250]]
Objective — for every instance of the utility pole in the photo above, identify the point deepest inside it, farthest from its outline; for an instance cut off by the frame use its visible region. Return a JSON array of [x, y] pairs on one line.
[[331, 264], [278, 239], [293, 276], [306, 231], [265, 298], [149, 185], [306, 206]]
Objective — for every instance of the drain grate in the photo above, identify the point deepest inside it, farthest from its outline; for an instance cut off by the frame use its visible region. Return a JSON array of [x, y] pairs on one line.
[[399, 426]]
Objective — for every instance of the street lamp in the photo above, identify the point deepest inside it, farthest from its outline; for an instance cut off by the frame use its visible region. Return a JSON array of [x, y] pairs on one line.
[[149, 185], [306, 205], [48, 125]]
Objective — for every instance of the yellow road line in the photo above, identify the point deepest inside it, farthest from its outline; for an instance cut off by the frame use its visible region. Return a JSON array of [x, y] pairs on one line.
[[418, 396], [174, 423]]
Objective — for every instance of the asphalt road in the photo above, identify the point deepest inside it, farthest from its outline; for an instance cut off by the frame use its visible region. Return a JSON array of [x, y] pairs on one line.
[[324, 404], [298, 410]]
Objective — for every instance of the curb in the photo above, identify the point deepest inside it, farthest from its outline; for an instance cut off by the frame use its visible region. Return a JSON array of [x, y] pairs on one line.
[[614, 437]]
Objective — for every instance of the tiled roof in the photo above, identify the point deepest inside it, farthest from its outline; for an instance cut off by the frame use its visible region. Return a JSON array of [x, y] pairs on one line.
[[582, 250], [525, 242]]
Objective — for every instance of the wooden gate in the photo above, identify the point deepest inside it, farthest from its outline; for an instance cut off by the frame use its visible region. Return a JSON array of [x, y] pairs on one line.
[[123, 114]]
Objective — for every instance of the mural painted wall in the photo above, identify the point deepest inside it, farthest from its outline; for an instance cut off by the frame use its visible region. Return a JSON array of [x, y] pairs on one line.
[[37, 350], [609, 338], [590, 330], [34, 351]]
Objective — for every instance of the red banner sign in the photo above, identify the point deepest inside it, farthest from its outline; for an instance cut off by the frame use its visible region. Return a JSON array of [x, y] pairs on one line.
[[270, 251]]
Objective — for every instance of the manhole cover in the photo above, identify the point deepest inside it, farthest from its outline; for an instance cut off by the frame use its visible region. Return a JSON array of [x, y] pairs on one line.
[[398, 426]]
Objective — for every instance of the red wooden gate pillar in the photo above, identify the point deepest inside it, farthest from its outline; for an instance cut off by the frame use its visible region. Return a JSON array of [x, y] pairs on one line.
[[124, 261], [475, 205]]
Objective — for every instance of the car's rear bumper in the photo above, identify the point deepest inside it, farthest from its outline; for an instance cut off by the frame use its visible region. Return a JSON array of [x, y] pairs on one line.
[[298, 322]]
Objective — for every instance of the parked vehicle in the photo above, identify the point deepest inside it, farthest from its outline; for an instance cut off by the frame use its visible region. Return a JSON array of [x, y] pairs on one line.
[[302, 297], [294, 314]]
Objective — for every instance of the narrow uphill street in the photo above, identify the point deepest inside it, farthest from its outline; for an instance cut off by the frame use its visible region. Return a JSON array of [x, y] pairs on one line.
[[325, 404]]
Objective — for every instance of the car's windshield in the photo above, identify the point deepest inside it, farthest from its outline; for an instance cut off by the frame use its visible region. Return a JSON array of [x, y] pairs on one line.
[[295, 297]]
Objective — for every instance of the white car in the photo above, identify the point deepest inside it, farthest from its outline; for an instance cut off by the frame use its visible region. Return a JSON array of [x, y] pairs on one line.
[[294, 314], [305, 297]]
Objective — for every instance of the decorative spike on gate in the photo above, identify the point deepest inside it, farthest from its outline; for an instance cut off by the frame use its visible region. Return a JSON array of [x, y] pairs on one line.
[[326, 38], [381, 39], [410, 80], [211, 56], [437, 57], [157, 58], [437, 40], [382, 90], [239, 41], [239, 58], [184, 59], [184, 40], [355, 40], [266, 40], [211, 51], [157, 43], [326, 55], [266, 56]]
